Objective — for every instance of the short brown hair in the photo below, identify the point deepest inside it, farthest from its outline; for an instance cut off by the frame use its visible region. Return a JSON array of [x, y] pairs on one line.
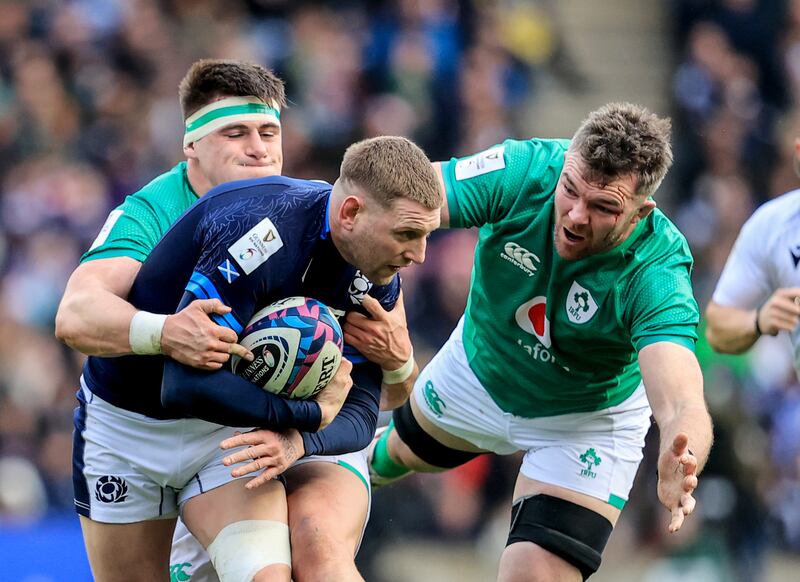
[[390, 167], [622, 139], [210, 79]]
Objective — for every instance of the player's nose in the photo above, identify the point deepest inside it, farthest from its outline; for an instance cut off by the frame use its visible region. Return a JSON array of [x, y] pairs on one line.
[[416, 251], [579, 213], [255, 145]]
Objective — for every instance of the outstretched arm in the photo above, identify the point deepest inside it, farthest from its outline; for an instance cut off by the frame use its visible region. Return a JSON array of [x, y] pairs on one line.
[[674, 386]]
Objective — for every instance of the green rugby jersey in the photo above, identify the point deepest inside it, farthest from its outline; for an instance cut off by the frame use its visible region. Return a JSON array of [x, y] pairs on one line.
[[547, 336], [136, 225]]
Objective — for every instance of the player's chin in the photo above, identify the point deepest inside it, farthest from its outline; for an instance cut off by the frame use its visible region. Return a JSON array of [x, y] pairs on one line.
[[570, 251], [384, 275]]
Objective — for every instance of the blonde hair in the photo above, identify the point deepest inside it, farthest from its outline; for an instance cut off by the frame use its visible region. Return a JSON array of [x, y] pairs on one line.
[[622, 139], [391, 167]]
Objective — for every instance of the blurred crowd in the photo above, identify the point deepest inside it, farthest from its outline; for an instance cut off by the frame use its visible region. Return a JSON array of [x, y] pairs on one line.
[[89, 113]]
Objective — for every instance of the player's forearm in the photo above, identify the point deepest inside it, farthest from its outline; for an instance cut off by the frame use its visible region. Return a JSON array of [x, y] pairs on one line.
[[227, 399], [354, 426], [674, 385], [694, 421], [95, 322], [395, 395], [730, 330]]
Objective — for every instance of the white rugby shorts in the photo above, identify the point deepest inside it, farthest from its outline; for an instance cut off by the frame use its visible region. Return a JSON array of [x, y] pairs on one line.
[[128, 467], [595, 453]]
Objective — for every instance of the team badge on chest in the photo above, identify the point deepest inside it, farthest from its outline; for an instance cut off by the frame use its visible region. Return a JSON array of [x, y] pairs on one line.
[[581, 306]]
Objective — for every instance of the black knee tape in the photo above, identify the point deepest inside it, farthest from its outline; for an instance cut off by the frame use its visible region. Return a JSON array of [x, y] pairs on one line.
[[571, 532], [424, 445]]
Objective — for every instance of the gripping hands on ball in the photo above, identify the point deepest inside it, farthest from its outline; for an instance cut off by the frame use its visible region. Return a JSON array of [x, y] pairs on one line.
[[193, 339]]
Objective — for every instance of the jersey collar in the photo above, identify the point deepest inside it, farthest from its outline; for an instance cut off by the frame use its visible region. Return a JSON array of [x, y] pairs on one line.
[[326, 226]]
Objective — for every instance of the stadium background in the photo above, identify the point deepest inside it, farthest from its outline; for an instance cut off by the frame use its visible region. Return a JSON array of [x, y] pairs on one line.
[[88, 114]]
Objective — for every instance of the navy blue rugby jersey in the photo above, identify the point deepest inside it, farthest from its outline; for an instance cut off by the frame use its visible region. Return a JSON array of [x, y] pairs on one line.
[[248, 243]]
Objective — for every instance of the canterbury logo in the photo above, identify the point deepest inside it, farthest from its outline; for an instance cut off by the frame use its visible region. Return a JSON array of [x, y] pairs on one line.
[[520, 257]]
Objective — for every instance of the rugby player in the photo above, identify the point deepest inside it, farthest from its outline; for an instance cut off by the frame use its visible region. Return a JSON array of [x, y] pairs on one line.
[[580, 322], [144, 449], [758, 292]]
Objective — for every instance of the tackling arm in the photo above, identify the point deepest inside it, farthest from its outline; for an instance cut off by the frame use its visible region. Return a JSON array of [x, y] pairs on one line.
[[94, 317]]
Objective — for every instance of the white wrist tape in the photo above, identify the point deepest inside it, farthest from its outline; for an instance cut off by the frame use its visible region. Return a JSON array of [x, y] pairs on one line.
[[401, 374], [145, 333]]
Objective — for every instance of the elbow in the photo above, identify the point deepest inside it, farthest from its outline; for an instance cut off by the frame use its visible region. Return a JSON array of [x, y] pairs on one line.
[[371, 425], [712, 338], [66, 328], [364, 441], [716, 341]]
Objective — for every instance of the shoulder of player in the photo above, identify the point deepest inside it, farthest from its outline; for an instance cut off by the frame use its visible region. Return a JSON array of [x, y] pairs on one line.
[[535, 151], [533, 167], [773, 218], [270, 194], [160, 191], [311, 189]]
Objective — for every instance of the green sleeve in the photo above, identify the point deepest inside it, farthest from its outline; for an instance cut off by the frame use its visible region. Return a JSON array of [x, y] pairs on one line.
[[484, 188], [131, 230], [660, 304]]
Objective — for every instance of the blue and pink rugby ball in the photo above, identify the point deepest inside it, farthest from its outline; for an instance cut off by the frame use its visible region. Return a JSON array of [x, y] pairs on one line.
[[297, 344]]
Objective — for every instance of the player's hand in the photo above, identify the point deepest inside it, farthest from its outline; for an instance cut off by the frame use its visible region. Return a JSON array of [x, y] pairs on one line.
[[192, 338], [267, 451], [331, 398], [383, 337], [781, 312], [677, 480]]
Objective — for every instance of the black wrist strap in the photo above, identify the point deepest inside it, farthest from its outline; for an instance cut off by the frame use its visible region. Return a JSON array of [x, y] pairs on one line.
[[759, 333]]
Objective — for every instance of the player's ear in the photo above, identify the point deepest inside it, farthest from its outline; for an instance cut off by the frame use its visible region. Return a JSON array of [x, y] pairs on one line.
[[349, 210], [645, 209], [188, 150]]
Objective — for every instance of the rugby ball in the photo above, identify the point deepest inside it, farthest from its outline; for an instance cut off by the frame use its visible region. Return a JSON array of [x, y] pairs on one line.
[[297, 345]]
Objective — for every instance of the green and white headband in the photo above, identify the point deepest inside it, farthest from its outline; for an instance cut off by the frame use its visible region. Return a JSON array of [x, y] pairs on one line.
[[227, 111]]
